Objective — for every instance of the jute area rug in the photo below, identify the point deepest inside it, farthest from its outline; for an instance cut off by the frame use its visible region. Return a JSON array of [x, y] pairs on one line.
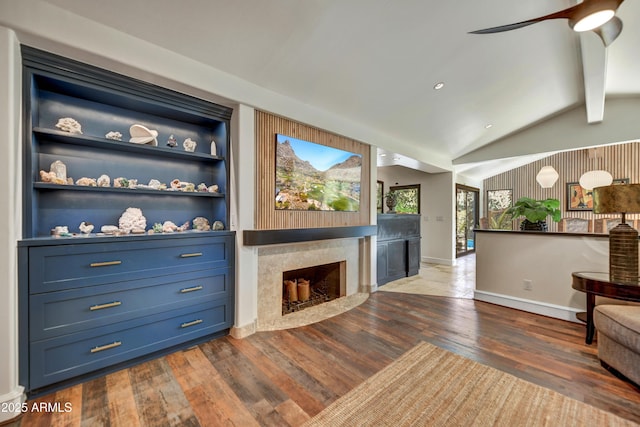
[[429, 386]]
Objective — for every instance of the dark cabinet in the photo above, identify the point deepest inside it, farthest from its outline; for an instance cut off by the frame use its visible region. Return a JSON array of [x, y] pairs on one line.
[[398, 247]]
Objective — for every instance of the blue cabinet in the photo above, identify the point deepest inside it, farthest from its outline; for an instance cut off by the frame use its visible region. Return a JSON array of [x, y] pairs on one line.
[[92, 302]]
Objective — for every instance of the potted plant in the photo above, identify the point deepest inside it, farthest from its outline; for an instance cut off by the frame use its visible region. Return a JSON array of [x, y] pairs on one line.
[[391, 199], [535, 212]]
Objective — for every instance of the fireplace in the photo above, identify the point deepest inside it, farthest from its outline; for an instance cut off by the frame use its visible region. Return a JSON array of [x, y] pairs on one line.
[[275, 259], [306, 287]]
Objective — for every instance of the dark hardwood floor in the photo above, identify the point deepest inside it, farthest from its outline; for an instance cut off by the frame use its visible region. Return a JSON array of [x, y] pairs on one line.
[[285, 377]]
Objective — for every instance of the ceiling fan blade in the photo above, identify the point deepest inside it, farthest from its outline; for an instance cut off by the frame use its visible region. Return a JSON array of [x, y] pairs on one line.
[[504, 27], [609, 31], [573, 12], [565, 13]]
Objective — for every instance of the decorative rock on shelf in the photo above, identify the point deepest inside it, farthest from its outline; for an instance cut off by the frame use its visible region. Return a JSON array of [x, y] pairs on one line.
[[87, 182], [67, 124], [172, 142], [50, 177], [217, 226], [169, 227], [60, 169], [201, 224], [189, 145], [109, 229], [213, 148], [104, 181], [142, 135]]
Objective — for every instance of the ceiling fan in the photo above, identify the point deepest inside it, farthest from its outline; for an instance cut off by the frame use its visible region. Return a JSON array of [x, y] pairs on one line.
[[590, 15]]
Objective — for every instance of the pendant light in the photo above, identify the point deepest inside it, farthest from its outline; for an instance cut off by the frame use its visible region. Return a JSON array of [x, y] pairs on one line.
[[595, 178], [547, 177], [598, 178]]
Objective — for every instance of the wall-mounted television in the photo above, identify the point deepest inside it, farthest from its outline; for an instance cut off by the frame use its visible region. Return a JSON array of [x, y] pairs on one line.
[[315, 177]]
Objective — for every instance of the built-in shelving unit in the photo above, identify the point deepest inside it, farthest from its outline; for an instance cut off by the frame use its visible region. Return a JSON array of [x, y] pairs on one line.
[[92, 302]]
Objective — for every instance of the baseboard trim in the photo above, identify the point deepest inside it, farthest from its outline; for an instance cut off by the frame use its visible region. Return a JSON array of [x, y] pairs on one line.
[[531, 306], [13, 400], [443, 261], [240, 332]]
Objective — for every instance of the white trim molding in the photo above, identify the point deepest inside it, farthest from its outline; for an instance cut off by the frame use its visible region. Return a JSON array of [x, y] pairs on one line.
[[537, 307], [12, 401]]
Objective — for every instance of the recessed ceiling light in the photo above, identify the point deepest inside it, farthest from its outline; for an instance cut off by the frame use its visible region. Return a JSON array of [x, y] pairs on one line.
[[383, 155], [488, 126], [438, 86]]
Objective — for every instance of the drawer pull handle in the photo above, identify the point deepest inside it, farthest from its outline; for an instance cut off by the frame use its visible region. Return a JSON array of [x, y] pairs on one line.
[[107, 305], [106, 346], [195, 254], [104, 264], [193, 323], [187, 290]]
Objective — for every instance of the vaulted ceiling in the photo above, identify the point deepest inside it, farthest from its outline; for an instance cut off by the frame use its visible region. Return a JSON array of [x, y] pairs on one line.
[[376, 62]]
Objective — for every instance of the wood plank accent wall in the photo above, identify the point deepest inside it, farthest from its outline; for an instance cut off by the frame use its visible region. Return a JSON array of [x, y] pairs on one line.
[[620, 160], [266, 216]]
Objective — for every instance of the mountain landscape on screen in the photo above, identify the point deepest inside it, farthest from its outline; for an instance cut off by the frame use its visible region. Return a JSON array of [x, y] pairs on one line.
[[315, 177]]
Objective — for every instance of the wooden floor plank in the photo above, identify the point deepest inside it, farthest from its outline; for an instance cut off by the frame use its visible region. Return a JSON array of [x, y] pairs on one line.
[[285, 377]]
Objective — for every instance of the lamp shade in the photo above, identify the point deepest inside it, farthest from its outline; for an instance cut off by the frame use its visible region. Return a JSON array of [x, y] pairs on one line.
[[624, 198], [547, 177], [598, 178]]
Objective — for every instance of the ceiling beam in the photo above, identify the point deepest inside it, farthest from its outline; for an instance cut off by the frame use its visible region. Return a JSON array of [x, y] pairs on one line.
[[594, 68]]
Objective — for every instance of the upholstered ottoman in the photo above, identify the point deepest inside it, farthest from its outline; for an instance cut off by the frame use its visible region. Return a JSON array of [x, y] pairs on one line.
[[618, 329]]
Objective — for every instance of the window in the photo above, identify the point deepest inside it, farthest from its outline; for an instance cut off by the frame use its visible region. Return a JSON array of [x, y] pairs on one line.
[[408, 197], [380, 196], [497, 202]]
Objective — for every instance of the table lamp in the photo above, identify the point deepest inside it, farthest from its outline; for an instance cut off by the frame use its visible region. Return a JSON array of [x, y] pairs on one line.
[[623, 239]]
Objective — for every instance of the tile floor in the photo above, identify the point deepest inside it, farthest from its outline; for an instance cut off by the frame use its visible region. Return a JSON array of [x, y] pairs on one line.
[[457, 281]]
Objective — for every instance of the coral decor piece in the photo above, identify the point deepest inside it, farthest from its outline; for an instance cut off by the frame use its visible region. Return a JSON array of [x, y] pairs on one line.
[[86, 227], [116, 136], [67, 124], [132, 221]]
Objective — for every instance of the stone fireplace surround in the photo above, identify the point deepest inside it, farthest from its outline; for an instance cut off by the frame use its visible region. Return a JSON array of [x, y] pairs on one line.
[[273, 260]]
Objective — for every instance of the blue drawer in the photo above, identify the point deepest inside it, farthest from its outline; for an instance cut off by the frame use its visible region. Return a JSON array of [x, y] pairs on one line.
[[64, 312], [60, 358], [54, 268]]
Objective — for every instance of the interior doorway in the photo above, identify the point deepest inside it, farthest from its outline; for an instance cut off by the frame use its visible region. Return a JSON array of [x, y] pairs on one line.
[[467, 216]]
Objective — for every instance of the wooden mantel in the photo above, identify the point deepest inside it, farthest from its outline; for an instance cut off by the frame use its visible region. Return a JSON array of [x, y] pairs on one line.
[[295, 235]]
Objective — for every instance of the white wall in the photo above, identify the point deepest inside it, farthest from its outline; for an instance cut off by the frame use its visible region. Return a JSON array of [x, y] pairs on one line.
[[505, 259], [436, 207], [10, 214]]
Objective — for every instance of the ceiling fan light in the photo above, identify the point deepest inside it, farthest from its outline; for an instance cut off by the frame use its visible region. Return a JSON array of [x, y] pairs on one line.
[[593, 20], [597, 178]]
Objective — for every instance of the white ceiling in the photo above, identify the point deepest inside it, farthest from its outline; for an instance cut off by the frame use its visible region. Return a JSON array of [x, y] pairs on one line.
[[375, 62]]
